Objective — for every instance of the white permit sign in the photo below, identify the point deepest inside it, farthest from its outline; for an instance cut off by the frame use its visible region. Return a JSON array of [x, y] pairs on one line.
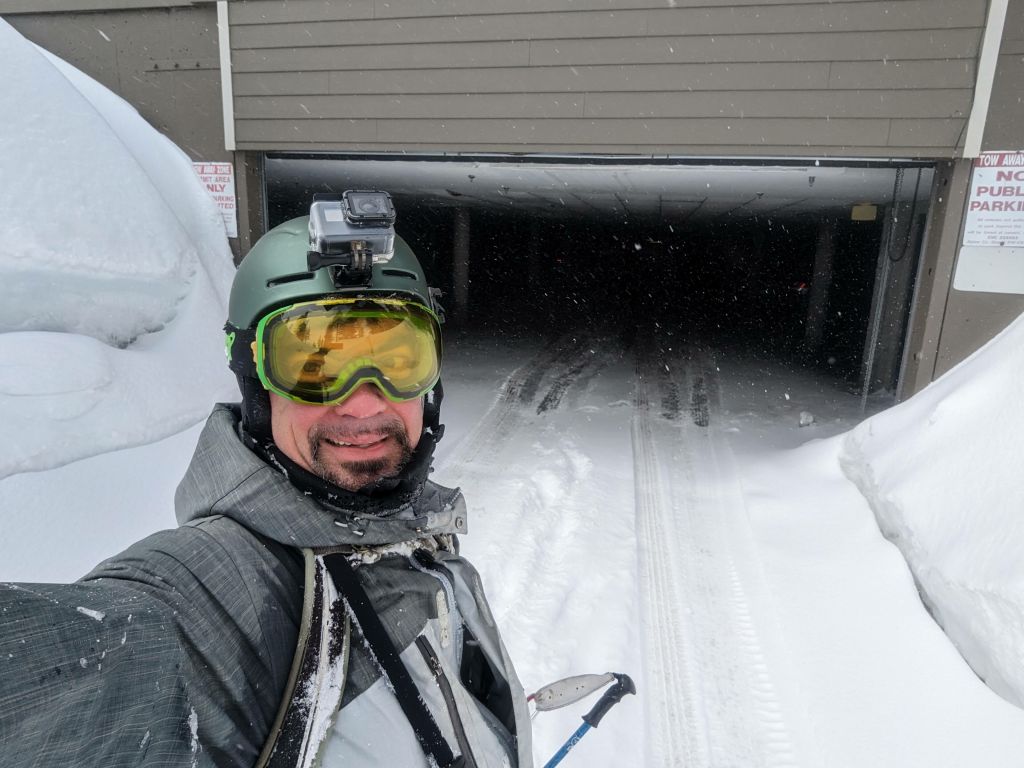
[[219, 180], [991, 258]]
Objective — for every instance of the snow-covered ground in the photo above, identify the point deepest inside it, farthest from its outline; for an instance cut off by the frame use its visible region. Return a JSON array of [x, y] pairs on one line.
[[650, 507], [645, 510]]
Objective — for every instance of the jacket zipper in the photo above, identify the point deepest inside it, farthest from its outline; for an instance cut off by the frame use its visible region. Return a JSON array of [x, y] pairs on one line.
[[430, 567], [449, 698]]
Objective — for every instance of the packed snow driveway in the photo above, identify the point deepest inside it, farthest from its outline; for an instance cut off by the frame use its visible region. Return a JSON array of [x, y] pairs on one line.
[[609, 486], [607, 517]]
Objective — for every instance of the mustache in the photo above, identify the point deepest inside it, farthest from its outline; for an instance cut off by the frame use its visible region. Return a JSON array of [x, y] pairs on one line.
[[384, 425]]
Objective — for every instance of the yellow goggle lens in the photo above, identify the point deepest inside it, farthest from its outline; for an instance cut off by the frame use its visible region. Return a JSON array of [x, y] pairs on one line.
[[318, 352]]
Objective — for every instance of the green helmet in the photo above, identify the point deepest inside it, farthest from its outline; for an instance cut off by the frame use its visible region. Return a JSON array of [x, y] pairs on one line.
[[278, 272]]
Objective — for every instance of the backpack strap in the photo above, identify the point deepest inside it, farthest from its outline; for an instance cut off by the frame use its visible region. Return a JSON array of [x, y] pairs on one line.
[[390, 663], [322, 636]]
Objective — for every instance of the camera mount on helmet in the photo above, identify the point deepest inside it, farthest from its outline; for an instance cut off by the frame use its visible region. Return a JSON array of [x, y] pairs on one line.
[[349, 233]]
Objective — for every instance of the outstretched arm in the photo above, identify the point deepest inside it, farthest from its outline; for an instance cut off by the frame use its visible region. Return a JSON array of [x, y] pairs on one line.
[[159, 657]]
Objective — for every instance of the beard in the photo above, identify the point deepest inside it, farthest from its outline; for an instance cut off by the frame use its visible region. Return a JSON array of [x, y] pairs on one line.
[[356, 474]]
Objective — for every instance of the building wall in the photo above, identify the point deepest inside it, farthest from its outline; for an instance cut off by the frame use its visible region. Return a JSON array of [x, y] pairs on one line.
[[1006, 110], [850, 78], [162, 56], [164, 61], [972, 318], [718, 77]]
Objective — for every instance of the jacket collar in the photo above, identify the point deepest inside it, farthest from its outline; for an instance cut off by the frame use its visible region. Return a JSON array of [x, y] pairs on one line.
[[280, 500]]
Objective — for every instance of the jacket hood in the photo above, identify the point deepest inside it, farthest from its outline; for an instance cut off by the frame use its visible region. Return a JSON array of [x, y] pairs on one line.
[[227, 478]]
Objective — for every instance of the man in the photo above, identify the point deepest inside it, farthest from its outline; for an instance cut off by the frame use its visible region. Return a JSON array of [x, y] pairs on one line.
[[312, 608]]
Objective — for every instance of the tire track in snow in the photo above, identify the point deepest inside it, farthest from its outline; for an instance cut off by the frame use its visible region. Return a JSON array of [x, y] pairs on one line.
[[750, 705], [699, 402], [506, 413], [669, 392], [776, 742], [675, 724], [579, 376], [553, 398], [716, 702], [565, 366]]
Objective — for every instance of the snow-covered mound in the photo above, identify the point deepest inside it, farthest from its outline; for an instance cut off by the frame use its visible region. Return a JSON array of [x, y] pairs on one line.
[[114, 271], [942, 473]]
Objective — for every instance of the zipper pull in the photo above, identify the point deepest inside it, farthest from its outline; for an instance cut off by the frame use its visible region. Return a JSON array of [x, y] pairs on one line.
[[435, 666]]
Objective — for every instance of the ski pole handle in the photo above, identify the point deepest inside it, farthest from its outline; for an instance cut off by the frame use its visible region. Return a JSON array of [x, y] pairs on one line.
[[623, 684]]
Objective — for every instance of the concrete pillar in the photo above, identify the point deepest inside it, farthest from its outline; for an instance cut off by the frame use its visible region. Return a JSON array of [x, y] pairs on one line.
[[867, 367], [535, 296], [250, 190], [902, 261], [934, 275], [460, 265], [821, 285], [533, 264]]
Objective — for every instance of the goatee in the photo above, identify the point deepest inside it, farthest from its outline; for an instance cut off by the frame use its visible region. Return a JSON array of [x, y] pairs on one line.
[[354, 475]]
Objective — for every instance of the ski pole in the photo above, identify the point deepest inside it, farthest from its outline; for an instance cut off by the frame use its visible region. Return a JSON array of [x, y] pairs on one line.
[[623, 685]]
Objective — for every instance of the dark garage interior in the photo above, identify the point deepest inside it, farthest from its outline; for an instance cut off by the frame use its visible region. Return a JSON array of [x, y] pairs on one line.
[[779, 260]]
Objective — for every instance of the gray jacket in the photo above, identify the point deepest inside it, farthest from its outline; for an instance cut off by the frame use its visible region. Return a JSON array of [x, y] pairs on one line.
[[222, 642]]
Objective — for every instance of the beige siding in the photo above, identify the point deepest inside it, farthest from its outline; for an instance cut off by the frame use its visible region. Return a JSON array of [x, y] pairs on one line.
[[341, 10], [584, 81], [971, 319], [860, 78], [825, 46], [808, 77], [735, 104], [1006, 110], [579, 24], [907, 75], [781, 103], [353, 59]]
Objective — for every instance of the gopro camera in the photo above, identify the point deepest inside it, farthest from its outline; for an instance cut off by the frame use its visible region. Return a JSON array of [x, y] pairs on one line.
[[350, 233]]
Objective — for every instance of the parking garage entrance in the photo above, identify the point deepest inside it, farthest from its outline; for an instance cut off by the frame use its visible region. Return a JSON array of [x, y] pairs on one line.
[[813, 263]]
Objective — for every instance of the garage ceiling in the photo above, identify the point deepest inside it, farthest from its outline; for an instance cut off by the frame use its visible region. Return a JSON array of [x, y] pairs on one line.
[[555, 188]]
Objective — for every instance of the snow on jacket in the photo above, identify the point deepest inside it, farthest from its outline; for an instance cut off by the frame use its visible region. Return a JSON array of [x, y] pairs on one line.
[[223, 643]]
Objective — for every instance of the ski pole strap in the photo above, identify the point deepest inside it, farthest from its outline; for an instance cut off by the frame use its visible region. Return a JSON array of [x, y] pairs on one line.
[[369, 624], [569, 690]]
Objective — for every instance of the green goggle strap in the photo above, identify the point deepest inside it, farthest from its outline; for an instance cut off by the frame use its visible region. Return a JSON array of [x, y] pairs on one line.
[[238, 345]]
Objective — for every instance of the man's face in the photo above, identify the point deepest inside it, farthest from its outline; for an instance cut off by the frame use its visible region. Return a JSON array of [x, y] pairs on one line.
[[351, 444]]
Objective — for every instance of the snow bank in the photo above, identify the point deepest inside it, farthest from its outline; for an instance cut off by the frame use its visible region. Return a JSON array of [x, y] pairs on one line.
[[942, 475], [114, 267], [75, 205]]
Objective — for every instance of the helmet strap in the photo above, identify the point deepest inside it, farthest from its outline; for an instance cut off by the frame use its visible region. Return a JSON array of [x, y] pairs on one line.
[[432, 411], [255, 408]]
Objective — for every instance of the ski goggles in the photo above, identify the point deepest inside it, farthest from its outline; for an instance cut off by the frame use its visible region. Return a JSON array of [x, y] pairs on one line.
[[319, 352]]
